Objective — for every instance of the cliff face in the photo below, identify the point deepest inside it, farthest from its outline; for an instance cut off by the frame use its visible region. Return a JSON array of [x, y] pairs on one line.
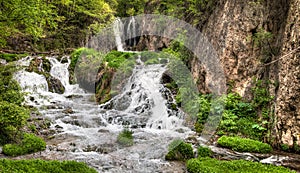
[[234, 28], [251, 37], [288, 100]]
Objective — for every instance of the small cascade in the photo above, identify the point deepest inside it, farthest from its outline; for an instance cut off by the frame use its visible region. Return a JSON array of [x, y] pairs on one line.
[[145, 98], [118, 28], [60, 71]]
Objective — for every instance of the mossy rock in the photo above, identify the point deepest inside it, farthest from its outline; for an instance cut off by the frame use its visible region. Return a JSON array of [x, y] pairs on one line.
[[244, 144], [179, 150], [209, 165]]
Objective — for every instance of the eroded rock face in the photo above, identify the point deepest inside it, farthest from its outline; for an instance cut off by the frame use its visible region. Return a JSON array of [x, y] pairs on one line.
[[231, 29], [288, 100]]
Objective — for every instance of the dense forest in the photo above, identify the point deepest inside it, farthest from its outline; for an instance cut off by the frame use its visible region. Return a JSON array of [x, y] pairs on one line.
[[258, 46]]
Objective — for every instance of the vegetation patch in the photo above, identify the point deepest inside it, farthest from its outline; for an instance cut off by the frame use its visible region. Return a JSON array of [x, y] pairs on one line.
[[244, 145], [209, 165], [29, 144], [11, 57], [42, 166], [179, 150], [204, 152], [125, 138]]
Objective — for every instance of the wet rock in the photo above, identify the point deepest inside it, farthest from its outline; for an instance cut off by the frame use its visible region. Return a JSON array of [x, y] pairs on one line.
[[74, 96], [90, 148], [68, 111], [55, 85], [103, 131], [58, 127]]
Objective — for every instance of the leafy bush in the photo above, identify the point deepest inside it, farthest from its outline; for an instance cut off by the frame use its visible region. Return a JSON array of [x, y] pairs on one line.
[[204, 152], [244, 144], [10, 90], [209, 165], [13, 117], [29, 144], [42, 166], [125, 138], [179, 150]]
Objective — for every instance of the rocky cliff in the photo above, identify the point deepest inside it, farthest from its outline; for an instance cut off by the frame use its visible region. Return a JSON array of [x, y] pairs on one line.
[[256, 40], [288, 100]]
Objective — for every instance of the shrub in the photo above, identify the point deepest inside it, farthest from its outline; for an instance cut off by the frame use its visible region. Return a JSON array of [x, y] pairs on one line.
[[204, 152], [125, 138], [42, 166], [209, 165], [179, 150], [29, 144], [244, 144], [13, 117]]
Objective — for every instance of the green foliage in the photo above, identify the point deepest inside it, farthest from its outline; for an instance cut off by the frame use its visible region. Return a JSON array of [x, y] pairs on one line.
[[204, 152], [42, 166], [209, 165], [125, 138], [285, 147], [81, 52], [12, 119], [11, 57], [67, 23], [10, 90], [261, 95], [29, 144], [244, 145], [130, 8], [262, 37], [179, 150], [229, 122], [25, 18], [116, 59], [154, 58], [193, 11]]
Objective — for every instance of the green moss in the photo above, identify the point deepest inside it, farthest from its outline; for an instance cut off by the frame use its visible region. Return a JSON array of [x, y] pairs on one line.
[[42, 166], [11, 57], [125, 138], [244, 144], [204, 152], [29, 144], [209, 165], [179, 150], [116, 59]]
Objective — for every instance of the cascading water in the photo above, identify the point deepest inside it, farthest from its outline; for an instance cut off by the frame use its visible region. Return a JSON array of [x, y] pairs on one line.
[[118, 29], [125, 33], [88, 132]]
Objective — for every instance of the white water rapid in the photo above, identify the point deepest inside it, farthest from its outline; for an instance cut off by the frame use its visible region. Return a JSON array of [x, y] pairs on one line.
[[85, 131]]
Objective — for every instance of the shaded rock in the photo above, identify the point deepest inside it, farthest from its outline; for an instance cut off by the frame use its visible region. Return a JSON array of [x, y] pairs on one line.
[[68, 111], [55, 85]]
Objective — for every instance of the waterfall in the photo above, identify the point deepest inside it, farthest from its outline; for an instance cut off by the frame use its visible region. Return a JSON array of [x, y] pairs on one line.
[[118, 28], [126, 32], [131, 32], [85, 131]]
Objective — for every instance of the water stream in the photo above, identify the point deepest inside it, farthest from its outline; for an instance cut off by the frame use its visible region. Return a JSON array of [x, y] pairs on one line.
[[86, 131]]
